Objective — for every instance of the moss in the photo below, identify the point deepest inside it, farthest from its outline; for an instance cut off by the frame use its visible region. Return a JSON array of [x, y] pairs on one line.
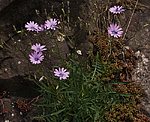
[[126, 113], [122, 113]]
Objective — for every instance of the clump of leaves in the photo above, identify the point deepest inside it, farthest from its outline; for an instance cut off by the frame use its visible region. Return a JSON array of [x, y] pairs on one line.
[[84, 97]]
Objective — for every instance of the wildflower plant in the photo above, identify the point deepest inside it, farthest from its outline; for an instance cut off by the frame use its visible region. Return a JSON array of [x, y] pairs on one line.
[[36, 57], [116, 9], [38, 47], [61, 73], [81, 97], [51, 24], [115, 30], [78, 91], [31, 26]]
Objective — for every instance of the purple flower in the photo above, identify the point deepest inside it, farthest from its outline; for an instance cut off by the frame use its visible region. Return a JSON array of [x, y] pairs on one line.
[[116, 9], [36, 58], [61, 73], [31, 26], [115, 30], [40, 28], [38, 47], [51, 24]]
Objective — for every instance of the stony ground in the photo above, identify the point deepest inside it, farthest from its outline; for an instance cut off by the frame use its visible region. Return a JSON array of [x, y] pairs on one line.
[[140, 43]]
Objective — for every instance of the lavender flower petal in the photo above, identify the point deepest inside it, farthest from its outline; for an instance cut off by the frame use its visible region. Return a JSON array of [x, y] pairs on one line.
[[38, 47], [115, 30], [61, 73], [51, 24], [116, 9], [36, 58], [31, 26]]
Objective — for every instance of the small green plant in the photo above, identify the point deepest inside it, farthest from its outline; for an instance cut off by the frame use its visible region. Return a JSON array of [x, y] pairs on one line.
[[83, 97]]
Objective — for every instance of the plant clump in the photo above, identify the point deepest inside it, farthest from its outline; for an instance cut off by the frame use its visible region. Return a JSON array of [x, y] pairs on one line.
[[128, 112]]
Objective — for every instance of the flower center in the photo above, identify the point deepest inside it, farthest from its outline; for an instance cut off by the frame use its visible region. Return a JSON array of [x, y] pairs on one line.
[[114, 32], [36, 58], [61, 74], [117, 9], [38, 49], [32, 27]]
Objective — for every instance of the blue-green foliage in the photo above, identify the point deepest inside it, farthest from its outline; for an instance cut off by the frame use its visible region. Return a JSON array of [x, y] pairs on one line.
[[84, 97]]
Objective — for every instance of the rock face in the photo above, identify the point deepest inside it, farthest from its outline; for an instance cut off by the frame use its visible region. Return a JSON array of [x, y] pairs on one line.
[[14, 48], [141, 44], [4, 3], [20, 11]]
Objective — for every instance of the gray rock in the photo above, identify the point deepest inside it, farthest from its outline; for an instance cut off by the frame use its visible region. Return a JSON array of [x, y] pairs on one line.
[[4, 3]]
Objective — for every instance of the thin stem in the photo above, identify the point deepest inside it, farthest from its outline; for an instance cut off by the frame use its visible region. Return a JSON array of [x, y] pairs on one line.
[[130, 19]]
